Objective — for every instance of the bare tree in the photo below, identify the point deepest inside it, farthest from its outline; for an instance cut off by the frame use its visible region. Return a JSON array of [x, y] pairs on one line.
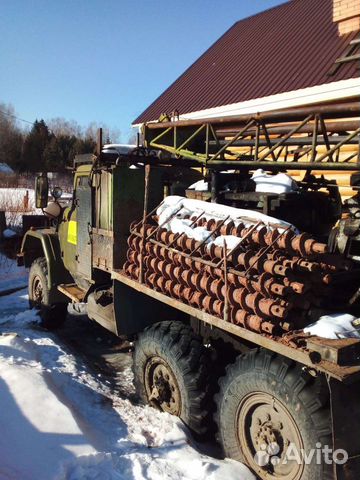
[[132, 140], [62, 127], [11, 136], [110, 135]]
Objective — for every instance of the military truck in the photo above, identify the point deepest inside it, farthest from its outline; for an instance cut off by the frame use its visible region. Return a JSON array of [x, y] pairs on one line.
[[218, 329]]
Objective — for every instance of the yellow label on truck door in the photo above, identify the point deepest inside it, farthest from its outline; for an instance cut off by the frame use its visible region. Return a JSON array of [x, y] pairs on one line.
[[72, 232]]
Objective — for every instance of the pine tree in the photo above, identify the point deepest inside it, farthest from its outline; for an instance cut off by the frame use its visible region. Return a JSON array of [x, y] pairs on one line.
[[34, 147]]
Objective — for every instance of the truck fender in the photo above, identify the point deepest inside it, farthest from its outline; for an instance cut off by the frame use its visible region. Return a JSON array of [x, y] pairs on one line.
[[45, 243]]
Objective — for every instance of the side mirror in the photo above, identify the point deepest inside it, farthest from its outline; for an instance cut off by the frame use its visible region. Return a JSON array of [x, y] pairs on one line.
[[57, 193], [41, 191]]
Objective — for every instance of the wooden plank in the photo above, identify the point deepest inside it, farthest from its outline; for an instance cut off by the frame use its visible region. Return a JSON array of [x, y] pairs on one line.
[[75, 293]]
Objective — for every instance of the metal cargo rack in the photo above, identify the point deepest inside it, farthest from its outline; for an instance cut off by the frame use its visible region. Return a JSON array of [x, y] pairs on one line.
[[278, 140], [339, 359]]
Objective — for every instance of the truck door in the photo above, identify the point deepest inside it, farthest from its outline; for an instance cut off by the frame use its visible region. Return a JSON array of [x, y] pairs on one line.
[[84, 225]]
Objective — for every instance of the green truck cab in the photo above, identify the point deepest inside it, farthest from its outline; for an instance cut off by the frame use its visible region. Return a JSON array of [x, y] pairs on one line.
[[74, 259]]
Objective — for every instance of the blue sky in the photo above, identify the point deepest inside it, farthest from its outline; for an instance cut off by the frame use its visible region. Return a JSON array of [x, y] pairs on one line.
[[104, 60]]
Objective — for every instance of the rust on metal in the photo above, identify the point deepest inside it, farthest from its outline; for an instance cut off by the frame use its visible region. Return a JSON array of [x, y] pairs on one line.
[[346, 374]]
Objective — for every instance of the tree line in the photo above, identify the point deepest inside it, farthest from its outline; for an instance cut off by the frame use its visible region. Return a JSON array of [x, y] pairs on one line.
[[45, 146]]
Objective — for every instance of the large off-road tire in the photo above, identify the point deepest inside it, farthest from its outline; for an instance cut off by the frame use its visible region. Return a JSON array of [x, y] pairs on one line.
[[171, 371], [267, 403], [52, 315]]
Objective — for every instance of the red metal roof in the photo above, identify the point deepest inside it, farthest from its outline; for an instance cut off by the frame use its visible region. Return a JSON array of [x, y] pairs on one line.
[[286, 48]]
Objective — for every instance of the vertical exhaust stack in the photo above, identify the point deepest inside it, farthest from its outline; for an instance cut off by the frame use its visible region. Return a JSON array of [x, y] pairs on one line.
[[99, 142], [346, 13]]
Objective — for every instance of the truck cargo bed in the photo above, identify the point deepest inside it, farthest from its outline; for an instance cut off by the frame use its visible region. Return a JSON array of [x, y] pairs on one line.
[[284, 345]]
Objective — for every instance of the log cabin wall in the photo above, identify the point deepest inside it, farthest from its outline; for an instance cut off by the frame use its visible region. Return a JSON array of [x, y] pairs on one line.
[[342, 177]]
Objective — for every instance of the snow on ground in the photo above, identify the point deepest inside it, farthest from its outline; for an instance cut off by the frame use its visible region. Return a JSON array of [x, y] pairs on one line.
[[61, 421], [21, 201], [17, 202], [11, 276], [15, 196]]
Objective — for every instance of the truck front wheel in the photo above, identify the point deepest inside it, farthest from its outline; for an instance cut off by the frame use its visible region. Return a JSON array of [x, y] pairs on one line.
[[274, 417], [171, 373], [52, 315]]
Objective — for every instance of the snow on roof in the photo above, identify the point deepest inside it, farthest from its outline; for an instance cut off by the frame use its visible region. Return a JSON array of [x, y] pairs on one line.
[[119, 148]]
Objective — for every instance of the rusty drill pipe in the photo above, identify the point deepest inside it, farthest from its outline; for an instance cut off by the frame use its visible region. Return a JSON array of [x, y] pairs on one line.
[[201, 282], [131, 255], [187, 279], [134, 242], [174, 289], [302, 243], [161, 281], [150, 279], [233, 280], [186, 294], [132, 270], [143, 229], [196, 299], [218, 308], [216, 289], [175, 273], [214, 252], [194, 280], [305, 245], [135, 257], [251, 322], [289, 241], [297, 287], [213, 306], [294, 264], [260, 264], [265, 284], [207, 304], [152, 263], [227, 228], [213, 272], [267, 306], [255, 303]]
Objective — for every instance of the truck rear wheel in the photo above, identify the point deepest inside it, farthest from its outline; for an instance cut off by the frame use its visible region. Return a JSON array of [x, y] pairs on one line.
[[52, 315], [269, 409], [171, 373]]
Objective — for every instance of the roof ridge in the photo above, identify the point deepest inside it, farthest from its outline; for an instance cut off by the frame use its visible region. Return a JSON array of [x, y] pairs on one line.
[[285, 2]]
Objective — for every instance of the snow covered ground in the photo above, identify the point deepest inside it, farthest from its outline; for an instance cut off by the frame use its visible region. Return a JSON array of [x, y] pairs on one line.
[[11, 276], [19, 201], [59, 420]]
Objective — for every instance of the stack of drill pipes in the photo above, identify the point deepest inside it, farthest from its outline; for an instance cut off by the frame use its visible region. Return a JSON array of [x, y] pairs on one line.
[[189, 208], [132, 270], [180, 220]]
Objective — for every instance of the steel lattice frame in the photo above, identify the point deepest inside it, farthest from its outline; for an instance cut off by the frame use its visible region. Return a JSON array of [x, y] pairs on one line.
[[281, 140]]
